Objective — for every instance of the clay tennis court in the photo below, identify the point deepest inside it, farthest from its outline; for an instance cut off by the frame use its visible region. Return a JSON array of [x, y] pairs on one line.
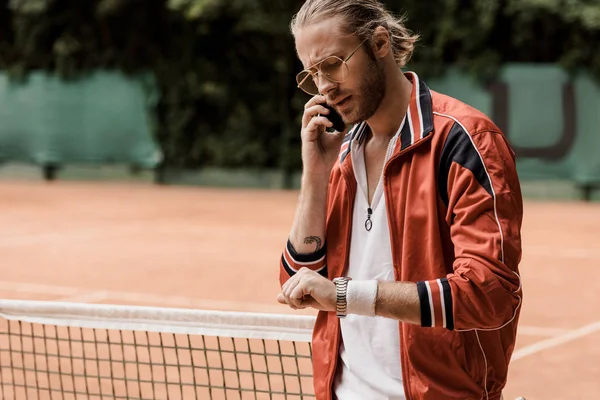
[[218, 249]]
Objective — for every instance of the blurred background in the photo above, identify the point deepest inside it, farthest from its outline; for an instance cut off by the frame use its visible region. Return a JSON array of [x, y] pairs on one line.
[[203, 91], [150, 154]]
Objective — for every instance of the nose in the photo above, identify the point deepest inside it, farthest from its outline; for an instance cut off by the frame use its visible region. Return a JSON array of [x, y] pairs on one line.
[[325, 85]]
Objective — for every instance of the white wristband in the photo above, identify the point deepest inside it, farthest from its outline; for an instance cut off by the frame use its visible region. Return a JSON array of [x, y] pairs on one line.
[[361, 297]]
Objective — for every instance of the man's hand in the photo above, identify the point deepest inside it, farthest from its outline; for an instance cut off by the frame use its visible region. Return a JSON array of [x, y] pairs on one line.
[[308, 289], [320, 149]]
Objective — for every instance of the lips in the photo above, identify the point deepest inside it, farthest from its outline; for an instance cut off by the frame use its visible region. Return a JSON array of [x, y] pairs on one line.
[[342, 102]]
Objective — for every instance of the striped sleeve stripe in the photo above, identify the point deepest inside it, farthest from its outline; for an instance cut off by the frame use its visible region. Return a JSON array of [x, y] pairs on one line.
[[295, 264], [447, 302], [432, 300], [436, 303], [425, 308], [286, 266], [292, 261], [305, 259], [291, 271], [443, 309]]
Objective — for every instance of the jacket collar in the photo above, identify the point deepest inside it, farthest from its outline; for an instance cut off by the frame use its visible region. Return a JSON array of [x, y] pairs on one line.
[[418, 122], [416, 126]]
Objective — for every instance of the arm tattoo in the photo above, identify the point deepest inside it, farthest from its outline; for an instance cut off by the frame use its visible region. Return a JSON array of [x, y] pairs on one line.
[[313, 239]]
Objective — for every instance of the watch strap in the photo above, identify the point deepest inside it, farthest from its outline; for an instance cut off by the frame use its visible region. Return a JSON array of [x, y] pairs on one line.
[[341, 290]]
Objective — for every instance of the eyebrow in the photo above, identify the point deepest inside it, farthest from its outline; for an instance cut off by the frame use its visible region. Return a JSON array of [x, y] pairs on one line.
[[332, 53]]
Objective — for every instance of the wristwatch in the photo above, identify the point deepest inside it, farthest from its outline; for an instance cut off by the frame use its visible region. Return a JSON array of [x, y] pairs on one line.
[[341, 289]]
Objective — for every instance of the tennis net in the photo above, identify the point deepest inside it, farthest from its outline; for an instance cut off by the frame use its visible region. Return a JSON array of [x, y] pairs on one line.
[[60, 350]]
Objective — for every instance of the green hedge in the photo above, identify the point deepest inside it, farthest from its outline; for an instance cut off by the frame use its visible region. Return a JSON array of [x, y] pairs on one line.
[[225, 68]]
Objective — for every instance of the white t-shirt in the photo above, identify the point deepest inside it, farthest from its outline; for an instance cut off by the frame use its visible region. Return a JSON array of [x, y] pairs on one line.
[[369, 365]]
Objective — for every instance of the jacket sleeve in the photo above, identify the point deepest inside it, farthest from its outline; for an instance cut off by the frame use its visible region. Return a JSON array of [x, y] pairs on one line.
[[485, 211], [291, 262]]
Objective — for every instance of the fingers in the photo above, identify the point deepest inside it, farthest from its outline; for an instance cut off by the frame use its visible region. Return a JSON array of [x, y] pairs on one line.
[[318, 122], [297, 294], [318, 99], [312, 112], [293, 291], [292, 283], [294, 294], [286, 289], [313, 108], [281, 299], [302, 304]]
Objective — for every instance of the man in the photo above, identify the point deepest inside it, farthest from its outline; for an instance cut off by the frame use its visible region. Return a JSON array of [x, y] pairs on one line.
[[407, 230]]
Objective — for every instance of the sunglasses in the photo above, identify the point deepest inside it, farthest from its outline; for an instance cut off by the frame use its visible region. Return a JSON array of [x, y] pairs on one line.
[[332, 68]]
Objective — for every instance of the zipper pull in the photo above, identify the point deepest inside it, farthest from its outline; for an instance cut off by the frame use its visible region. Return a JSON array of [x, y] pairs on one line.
[[368, 222]]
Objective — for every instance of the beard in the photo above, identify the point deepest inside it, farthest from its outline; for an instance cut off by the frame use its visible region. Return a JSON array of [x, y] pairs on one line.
[[370, 94]]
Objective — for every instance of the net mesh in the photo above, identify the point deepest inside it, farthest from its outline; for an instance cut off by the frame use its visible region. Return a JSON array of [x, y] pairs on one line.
[[67, 351]]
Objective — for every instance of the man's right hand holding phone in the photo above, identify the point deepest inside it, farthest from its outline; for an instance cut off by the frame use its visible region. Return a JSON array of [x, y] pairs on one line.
[[320, 148]]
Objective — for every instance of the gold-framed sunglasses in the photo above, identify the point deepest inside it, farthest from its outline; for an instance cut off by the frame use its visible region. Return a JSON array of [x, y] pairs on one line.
[[332, 68]]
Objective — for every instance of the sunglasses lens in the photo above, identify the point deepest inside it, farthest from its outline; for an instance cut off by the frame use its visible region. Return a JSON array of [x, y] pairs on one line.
[[334, 68], [307, 83]]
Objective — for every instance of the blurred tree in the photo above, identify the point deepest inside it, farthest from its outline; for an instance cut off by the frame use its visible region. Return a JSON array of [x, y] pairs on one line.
[[225, 68], [7, 50]]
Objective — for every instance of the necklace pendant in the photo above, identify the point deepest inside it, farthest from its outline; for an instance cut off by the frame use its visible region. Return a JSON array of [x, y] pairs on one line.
[[368, 222]]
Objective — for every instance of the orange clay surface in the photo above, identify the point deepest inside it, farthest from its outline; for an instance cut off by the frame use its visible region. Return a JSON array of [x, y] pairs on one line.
[[218, 249]]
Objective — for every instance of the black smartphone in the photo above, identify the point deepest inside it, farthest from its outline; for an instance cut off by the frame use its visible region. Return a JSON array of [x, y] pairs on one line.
[[336, 118]]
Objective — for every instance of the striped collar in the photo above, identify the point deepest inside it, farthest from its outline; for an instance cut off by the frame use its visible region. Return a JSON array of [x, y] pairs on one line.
[[416, 125]]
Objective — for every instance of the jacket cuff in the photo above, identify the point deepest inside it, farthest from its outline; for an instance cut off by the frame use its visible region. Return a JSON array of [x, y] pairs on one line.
[[293, 261], [436, 303]]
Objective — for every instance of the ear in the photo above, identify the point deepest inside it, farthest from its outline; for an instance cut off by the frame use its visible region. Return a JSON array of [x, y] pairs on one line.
[[381, 42]]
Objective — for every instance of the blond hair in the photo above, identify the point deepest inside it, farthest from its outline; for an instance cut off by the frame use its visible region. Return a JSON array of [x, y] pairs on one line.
[[361, 18]]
